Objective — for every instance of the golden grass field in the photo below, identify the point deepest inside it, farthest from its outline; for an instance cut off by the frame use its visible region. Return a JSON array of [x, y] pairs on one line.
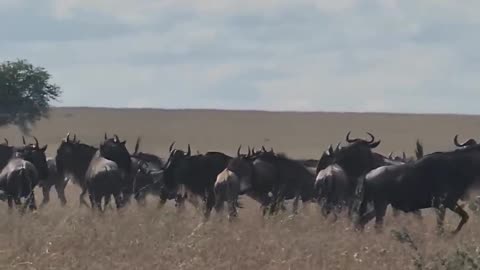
[[148, 238]]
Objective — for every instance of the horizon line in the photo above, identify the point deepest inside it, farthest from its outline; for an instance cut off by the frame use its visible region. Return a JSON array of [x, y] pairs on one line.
[[263, 110]]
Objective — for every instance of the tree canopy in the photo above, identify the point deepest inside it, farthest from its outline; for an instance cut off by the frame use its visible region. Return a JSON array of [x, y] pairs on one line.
[[25, 93]]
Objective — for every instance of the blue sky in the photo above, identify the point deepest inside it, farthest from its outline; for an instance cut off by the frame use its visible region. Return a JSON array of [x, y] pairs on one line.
[[305, 55]]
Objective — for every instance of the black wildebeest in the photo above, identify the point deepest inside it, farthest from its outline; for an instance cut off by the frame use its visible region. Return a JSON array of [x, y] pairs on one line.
[[109, 174], [339, 169], [438, 180], [55, 178], [148, 176], [82, 163], [21, 174], [72, 161], [196, 173], [266, 177]]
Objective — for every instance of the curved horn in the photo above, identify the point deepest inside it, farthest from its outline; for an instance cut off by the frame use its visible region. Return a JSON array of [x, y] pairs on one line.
[[67, 139], [36, 141], [372, 138], [238, 150], [263, 149], [23, 139], [137, 145], [105, 136], [347, 138], [171, 147], [6, 141], [249, 151], [404, 156], [74, 137], [455, 141], [116, 139], [390, 155], [189, 151]]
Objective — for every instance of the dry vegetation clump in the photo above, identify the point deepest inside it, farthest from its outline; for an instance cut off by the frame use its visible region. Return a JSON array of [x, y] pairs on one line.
[[148, 238]]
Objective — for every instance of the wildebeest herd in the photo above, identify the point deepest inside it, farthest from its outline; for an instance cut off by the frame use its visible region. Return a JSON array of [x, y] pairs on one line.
[[349, 177]]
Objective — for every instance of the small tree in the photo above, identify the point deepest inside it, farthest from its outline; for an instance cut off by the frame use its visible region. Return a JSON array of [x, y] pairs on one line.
[[25, 93]]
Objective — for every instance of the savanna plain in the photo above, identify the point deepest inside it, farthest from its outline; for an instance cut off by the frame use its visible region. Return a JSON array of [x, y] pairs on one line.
[[73, 237]]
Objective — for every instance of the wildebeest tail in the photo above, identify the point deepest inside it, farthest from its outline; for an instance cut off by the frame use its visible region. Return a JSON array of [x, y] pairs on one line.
[[419, 150]]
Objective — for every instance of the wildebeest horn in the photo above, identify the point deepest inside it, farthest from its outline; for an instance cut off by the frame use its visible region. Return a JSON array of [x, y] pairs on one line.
[[116, 139], [67, 139], [105, 136], [36, 142], [171, 147], [467, 143], [263, 149], [238, 150], [189, 151], [330, 149], [23, 139], [74, 137], [372, 138], [404, 155], [137, 145], [390, 155], [347, 138], [249, 151], [6, 141]]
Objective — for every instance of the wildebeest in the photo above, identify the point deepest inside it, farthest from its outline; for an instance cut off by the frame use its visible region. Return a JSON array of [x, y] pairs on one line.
[[437, 180], [21, 174], [54, 179], [148, 176], [109, 173], [266, 177], [196, 173], [75, 160], [72, 161], [339, 169]]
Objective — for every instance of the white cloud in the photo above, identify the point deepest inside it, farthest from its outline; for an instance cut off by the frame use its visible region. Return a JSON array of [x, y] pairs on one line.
[[295, 55]]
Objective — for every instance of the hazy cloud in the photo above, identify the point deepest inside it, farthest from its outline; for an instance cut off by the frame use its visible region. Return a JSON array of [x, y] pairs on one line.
[[373, 55]]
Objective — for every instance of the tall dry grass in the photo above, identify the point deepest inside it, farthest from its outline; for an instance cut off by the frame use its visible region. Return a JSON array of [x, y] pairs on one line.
[[149, 238]]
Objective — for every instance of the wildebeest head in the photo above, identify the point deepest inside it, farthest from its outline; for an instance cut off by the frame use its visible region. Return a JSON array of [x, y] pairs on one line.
[[175, 165], [469, 142], [36, 155], [73, 157], [327, 158], [115, 150], [242, 166], [357, 157]]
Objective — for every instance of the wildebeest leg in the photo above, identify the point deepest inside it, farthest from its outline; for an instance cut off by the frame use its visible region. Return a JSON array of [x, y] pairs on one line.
[[440, 218], [295, 203], [10, 204], [118, 201], [161, 202], [278, 199], [364, 219], [380, 210], [209, 203], [463, 215], [82, 197], [60, 188], [31, 202], [46, 195]]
